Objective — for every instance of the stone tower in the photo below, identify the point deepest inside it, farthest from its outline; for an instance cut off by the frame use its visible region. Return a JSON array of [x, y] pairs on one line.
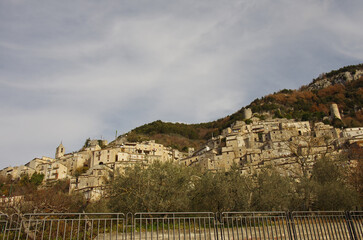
[[59, 151], [247, 113], [334, 111]]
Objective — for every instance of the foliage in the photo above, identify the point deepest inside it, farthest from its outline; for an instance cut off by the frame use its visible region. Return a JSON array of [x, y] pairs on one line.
[[52, 197], [80, 170], [169, 187], [101, 144], [99, 206], [160, 127], [272, 191], [355, 176], [86, 143], [37, 179], [330, 189], [221, 192], [350, 68], [159, 187]]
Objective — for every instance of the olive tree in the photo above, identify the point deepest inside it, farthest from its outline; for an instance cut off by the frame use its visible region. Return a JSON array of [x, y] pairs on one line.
[[158, 187], [221, 191], [272, 191], [331, 190]]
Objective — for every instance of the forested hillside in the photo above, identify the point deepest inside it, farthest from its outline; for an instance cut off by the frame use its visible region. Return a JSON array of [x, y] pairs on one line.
[[310, 103]]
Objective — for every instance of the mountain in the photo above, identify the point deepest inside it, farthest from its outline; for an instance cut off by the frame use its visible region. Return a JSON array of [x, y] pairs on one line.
[[312, 102]]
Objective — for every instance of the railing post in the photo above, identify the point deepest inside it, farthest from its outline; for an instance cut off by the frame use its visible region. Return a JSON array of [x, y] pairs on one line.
[[291, 226], [350, 225], [129, 225], [218, 226]]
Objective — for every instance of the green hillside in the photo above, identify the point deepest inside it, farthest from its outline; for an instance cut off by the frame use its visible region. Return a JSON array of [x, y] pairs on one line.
[[309, 103]]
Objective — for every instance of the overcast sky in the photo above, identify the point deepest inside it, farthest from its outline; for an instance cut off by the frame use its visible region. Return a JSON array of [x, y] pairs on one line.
[[72, 69]]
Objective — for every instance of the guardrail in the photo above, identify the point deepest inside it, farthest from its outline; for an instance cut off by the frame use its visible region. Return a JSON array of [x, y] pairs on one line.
[[73, 226], [186, 225], [175, 226], [255, 225], [322, 225]]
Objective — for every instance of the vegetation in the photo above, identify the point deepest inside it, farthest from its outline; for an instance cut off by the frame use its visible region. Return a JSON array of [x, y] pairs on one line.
[[350, 68], [166, 187], [161, 187], [272, 192], [80, 170], [221, 192], [330, 188], [169, 187], [315, 105], [32, 196]]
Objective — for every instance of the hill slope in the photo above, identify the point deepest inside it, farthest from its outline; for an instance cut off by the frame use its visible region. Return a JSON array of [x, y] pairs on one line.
[[312, 102]]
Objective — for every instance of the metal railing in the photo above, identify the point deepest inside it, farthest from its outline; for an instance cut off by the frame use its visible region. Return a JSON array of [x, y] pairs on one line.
[[73, 226], [12, 229], [3, 224], [174, 226], [184, 226], [255, 225], [321, 225], [355, 220]]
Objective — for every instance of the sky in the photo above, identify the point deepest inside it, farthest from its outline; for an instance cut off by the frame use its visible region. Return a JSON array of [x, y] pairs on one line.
[[77, 69]]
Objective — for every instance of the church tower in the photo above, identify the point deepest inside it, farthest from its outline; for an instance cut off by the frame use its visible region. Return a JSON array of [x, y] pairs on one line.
[[59, 151]]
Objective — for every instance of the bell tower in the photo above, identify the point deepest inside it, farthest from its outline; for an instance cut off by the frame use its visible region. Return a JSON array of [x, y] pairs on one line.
[[59, 151]]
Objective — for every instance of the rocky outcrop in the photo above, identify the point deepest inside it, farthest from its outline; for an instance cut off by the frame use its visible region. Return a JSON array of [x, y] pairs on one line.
[[323, 81]]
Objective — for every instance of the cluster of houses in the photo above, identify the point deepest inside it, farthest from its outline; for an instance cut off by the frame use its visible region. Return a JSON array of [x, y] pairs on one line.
[[90, 168], [282, 143]]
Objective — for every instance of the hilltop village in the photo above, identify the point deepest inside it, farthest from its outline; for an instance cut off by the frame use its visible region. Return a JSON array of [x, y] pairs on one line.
[[289, 146]]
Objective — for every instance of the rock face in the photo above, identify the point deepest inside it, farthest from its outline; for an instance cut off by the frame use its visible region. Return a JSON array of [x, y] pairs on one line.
[[341, 78]]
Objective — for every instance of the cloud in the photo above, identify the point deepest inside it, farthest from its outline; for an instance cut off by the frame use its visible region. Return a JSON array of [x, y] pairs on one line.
[[71, 70]]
